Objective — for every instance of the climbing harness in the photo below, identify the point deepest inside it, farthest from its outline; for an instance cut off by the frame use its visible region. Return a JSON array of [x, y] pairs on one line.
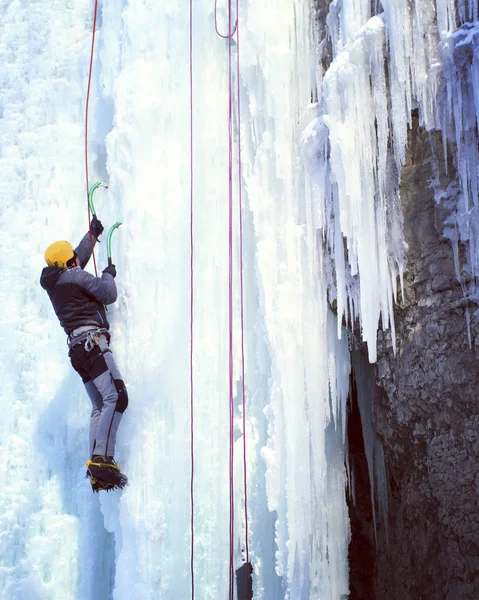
[[93, 339], [88, 335], [80, 330]]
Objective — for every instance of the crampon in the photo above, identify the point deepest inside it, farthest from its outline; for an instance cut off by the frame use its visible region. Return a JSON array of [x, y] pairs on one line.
[[104, 474]]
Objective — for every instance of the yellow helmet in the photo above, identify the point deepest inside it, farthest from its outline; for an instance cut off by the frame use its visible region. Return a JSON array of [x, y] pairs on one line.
[[58, 254]]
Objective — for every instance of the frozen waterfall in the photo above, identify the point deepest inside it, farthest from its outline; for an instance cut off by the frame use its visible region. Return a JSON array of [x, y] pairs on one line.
[[58, 540], [322, 229]]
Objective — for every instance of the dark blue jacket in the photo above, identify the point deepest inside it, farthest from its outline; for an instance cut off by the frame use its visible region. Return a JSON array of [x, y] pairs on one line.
[[78, 297]]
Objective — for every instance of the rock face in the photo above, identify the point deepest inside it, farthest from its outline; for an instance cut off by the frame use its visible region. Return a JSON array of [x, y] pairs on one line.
[[426, 403], [427, 411]]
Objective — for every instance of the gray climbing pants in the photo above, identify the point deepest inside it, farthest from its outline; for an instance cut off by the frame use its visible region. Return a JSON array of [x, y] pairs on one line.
[[106, 390]]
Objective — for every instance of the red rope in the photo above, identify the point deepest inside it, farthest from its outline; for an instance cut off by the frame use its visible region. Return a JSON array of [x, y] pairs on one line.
[[240, 206], [86, 124], [192, 523]]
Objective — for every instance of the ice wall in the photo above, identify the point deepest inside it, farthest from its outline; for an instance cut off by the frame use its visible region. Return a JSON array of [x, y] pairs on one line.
[[58, 540], [48, 522]]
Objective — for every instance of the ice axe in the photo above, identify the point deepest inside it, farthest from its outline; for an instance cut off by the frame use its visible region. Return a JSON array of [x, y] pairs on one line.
[[108, 241], [93, 189]]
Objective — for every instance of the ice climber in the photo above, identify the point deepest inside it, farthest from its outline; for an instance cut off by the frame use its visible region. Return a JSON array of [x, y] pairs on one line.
[[79, 301]]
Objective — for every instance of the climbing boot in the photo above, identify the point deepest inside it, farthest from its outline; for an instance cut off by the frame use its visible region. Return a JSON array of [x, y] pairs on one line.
[[105, 474], [97, 486]]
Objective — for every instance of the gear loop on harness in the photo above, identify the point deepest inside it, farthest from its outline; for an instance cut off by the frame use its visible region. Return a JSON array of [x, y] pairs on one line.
[[93, 338], [90, 337]]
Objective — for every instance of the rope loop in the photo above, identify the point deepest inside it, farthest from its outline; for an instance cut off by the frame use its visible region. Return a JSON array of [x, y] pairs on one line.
[[192, 298], [230, 35]]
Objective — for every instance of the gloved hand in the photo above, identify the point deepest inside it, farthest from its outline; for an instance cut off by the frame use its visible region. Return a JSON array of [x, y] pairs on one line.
[[110, 269], [96, 227]]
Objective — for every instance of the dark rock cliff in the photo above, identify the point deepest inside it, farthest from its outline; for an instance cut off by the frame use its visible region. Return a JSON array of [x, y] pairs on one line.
[[427, 415], [425, 406]]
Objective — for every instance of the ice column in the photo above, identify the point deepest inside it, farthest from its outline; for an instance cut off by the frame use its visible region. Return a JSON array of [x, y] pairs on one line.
[[304, 457], [460, 53], [360, 190]]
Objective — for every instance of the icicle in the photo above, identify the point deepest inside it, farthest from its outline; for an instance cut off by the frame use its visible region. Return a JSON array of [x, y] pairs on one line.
[[355, 98], [446, 16], [345, 19], [461, 110]]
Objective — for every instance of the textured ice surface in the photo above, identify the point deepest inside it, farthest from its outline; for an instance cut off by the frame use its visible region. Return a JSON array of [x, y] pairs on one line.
[[57, 539]]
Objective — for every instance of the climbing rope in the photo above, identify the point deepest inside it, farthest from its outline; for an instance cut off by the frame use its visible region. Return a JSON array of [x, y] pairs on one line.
[[192, 439], [240, 207], [95, 12], [230, 298], [232, 31], [229, 35]]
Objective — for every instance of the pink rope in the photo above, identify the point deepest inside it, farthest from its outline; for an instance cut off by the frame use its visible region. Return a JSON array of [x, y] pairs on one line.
[[240, 206], [192, 438], [230, 298], [230, 35], [230, 289]]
